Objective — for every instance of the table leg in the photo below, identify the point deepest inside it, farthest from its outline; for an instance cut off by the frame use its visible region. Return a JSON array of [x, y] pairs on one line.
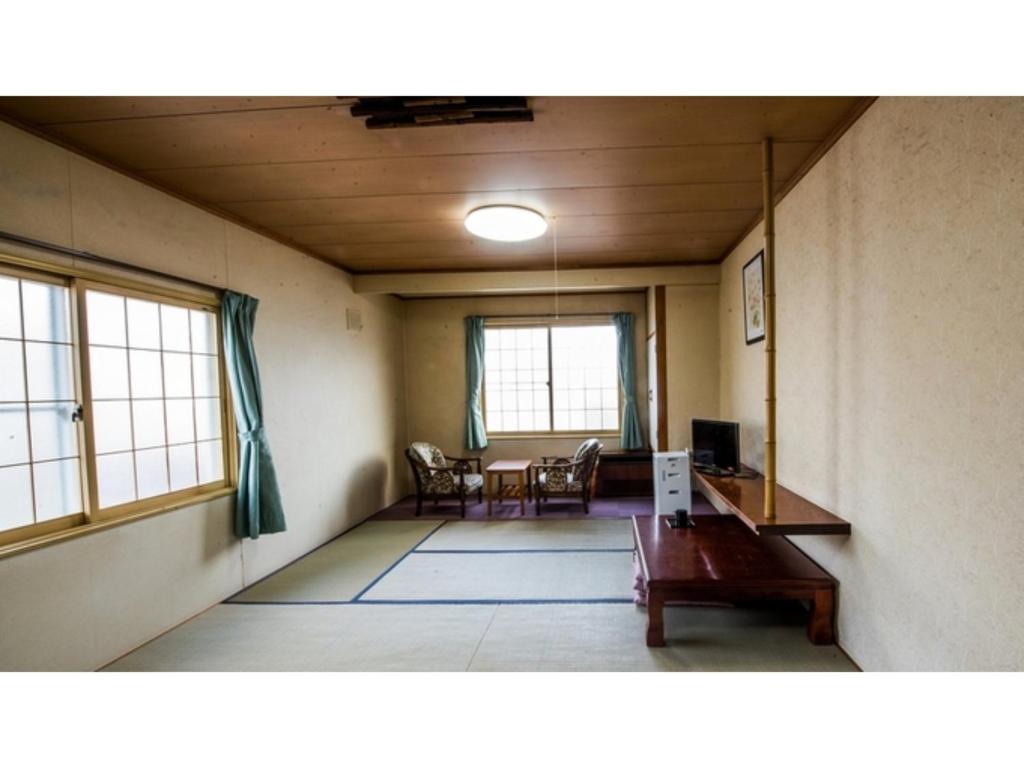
[[490, 492], [655, 619], [522, 495], [822, 620]]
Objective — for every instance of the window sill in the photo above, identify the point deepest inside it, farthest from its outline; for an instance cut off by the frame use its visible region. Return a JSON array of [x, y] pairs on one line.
[[549, 435], [45, 540]]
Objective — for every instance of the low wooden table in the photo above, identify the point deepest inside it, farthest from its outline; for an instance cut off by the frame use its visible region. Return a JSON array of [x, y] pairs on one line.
[[721, 560], [519, 469]]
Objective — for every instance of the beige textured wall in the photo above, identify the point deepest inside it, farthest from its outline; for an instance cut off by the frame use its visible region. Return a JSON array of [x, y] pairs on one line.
[[333, 402], [691, 325], [436, 369], [901, 309]]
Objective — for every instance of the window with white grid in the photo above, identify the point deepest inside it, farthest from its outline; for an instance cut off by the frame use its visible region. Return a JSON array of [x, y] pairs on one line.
[[155, 394], [585, 379], [551, 378], [112, 402], [40, 451]]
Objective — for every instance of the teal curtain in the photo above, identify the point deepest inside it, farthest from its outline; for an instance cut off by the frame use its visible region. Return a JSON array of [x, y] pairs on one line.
[[258, 502], [631, 437], [476, 436]]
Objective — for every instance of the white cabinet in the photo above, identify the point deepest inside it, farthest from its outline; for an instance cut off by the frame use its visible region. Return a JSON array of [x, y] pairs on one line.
[[671, 482]]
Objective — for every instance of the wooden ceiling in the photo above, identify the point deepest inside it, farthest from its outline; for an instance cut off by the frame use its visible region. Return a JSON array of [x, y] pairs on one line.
[[632, 180]]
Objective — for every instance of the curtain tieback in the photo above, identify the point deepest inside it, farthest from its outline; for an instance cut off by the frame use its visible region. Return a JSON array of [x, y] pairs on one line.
[[252, 435]]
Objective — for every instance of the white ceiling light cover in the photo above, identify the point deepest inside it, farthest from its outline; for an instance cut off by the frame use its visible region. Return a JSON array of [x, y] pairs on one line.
[[508, 223]]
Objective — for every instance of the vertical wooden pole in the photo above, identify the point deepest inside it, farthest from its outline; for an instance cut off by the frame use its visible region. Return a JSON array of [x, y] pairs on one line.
[[661, 353], [769, 331]]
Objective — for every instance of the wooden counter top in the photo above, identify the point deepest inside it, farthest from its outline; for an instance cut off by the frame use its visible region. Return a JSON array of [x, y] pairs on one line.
[[794, 515]]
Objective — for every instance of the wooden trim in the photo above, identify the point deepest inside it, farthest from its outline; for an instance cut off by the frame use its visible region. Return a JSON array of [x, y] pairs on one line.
[[13, 536], [85, 529], [221, 214], [196, 299], [661, 354], [527, 295], [837, 133], [552, 435], [769, 335], [541, 267], [86, 425]]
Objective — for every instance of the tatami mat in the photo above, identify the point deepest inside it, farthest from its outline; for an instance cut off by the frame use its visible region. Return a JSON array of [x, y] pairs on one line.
[[356, 638], [340, 569], [532, 534], [610, 638], [547, 638], [508, 576]]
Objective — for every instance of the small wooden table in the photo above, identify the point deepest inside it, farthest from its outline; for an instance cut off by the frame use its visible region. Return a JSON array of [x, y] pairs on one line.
[[519, 469], [720, 560]]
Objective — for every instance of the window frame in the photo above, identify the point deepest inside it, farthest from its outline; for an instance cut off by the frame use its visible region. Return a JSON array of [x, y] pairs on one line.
[[93, 517], [527, 323]]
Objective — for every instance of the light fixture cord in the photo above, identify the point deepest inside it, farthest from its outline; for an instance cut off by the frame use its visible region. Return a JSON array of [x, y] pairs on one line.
[[554, 238]]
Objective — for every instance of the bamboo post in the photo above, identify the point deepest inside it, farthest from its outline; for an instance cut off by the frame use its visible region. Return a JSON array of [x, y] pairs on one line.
[[769, 331]]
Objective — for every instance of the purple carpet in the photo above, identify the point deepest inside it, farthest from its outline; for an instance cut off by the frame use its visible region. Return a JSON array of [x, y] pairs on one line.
[[555, 509]]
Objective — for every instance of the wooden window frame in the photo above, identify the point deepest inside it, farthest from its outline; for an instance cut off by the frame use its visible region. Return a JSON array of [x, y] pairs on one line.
[[92, 517], [550, 433]]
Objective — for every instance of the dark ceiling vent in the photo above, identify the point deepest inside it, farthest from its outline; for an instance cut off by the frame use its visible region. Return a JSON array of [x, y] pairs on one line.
[[423, 111]]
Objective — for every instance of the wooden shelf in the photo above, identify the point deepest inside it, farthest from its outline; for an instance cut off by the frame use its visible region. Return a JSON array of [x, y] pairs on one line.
[[794, 515]]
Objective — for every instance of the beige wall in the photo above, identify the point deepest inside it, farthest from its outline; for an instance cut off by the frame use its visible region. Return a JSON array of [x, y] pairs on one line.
[[333, 403], [436, 369], [900, 316], [691, 346]]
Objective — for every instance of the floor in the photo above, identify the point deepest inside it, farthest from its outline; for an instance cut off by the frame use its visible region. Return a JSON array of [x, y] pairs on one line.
[[438, 593]]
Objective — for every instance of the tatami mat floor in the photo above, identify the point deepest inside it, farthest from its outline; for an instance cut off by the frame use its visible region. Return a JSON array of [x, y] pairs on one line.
[[461, 595]]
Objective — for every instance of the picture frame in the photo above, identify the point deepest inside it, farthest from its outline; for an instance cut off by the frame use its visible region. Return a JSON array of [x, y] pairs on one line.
[[753, 299]]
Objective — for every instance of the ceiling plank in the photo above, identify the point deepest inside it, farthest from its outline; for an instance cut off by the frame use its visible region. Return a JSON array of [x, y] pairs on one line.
[[528, 170], [609, 225], [542, 247], [63, 110], [741, 196], [536, 262]]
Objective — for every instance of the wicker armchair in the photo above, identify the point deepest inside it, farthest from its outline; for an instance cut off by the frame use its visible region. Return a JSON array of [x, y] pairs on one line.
[[437, 479], [559, 476]]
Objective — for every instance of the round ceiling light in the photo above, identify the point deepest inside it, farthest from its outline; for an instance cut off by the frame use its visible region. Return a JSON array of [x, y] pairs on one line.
[[509, 223]]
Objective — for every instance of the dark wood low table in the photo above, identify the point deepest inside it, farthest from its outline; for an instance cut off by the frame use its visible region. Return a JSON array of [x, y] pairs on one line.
[[721, 560]]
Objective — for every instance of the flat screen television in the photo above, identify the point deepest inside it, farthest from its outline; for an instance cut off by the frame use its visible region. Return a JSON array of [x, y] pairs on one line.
[[716, 444]]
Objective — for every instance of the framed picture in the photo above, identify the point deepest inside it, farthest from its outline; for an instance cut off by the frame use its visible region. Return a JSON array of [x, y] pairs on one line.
[[753, 298]]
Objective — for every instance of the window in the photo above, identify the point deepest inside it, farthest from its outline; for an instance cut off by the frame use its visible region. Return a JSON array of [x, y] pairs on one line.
[[552, 378], [156, 403], [39, 445], [111, 402]]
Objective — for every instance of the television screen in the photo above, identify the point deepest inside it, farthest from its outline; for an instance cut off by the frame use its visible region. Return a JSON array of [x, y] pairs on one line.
[[716, 444]]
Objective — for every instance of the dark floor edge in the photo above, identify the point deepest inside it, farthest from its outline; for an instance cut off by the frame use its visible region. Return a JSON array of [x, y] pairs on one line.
[[290, 563], [517, 551], [395, 564], [523, 601]]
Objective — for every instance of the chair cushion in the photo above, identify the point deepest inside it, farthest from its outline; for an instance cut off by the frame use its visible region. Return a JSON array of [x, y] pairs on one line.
[[472, 481], [559, 483], [429, 453]]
